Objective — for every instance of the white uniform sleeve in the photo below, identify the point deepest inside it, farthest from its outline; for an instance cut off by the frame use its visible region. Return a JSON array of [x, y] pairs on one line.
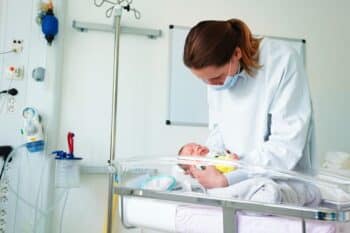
[[236, 176], [290, 111], [215, 141]]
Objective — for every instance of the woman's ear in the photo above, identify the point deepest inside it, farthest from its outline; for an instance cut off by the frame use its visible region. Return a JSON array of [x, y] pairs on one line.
[[237, 54]]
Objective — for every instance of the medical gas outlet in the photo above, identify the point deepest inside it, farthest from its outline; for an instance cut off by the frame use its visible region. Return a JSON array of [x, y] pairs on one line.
[[15, 72]]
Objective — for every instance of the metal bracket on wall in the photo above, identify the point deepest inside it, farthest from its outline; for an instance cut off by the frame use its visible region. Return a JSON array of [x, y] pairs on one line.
[[85, 26]]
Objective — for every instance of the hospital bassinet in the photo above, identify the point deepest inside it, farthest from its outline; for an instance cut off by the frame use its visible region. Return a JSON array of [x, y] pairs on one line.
[[155, 193]]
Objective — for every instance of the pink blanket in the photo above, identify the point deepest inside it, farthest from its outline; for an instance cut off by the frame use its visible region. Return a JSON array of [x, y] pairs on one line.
[[197, 219]]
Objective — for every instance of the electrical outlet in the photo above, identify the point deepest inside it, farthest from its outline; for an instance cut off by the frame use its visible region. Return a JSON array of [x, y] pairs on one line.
[[17, 46], [11, 104]]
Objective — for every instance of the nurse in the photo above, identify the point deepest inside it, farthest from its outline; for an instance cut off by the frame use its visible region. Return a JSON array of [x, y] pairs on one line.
[[258, 95]]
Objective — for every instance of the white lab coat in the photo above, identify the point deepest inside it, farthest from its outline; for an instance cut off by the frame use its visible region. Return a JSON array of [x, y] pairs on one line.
[[266, 119]]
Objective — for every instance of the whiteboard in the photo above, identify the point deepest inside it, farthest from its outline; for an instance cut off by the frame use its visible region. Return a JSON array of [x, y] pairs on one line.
[[187, 104]]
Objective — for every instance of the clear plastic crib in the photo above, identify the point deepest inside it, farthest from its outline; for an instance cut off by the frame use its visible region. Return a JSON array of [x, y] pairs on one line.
[[157, 193]]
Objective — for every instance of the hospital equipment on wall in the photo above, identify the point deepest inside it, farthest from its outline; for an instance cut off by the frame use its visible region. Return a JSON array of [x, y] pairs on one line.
[[6, 52], [321, 201], [9, 185], [11, 91], [17, 47], [67, 166], [67, 177], [38, 74], [48, 21], [33, 130]]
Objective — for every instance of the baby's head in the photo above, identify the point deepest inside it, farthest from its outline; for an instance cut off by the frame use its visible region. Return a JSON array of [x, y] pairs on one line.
[[193, 149]]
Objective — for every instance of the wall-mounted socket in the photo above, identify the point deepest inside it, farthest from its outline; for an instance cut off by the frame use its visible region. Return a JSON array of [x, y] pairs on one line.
[[15, 72], [11, 104], [17, 46]]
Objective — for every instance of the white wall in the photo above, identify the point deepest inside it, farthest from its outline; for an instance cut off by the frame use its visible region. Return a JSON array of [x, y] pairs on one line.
[[18, 21], [19, 29], [87, 74]]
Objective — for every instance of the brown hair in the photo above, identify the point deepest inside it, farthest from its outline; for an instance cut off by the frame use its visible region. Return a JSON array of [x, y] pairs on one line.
[[181, 149], [214, 42]]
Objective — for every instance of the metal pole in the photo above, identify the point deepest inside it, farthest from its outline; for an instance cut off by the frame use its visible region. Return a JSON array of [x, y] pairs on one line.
[[117, 18], [122, 213], [303, 226], [230, 220]]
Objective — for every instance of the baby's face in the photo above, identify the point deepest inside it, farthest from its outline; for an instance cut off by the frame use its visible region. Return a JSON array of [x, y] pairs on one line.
[[194, 149]]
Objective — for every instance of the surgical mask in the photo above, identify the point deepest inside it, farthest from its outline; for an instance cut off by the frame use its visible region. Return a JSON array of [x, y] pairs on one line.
[[230, 80]]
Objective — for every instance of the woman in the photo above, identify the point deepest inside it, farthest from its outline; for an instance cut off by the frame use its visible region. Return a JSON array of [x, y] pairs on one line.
[[259, 101]]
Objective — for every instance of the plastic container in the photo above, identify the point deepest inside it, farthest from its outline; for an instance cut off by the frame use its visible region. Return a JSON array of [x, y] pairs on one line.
[[67, 170]]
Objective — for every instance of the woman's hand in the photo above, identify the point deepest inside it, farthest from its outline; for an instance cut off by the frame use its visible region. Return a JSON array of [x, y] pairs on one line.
[[210, 177]]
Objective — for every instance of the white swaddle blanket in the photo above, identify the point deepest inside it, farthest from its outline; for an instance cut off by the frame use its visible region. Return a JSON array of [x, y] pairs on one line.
[[267, 190], [262, 187]]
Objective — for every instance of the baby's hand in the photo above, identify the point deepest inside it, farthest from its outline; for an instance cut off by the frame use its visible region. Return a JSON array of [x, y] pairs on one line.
[[210, 177], [232, 156]]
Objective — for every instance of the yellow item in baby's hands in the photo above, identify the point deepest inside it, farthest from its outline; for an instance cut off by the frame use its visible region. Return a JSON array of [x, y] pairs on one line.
[[223, 168]]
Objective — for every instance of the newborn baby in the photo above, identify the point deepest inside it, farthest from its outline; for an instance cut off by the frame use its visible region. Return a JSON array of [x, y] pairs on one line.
[[194, 149]]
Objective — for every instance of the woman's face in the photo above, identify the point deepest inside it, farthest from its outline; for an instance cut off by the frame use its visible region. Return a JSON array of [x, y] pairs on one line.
[[214, 75]]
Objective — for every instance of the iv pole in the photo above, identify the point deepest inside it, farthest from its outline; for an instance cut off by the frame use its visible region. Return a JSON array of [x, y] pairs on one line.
[[117, 17], [115, 10]]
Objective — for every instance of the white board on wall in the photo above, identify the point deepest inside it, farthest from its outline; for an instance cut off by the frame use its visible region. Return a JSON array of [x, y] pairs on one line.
[[187, 104]]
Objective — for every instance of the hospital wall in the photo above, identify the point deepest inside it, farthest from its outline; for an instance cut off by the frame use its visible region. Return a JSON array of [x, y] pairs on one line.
[[34, 175], [143, 93]]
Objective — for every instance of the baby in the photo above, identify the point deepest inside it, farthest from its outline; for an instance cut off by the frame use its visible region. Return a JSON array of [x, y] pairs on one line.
[[194, 149]]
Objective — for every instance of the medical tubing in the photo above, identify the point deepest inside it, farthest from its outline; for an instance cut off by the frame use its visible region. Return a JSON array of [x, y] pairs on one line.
[[45, 163], [6, 52], [20, 198], [40, 211], [9, 157], [52, 208], [62, 212], [2, 169]]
